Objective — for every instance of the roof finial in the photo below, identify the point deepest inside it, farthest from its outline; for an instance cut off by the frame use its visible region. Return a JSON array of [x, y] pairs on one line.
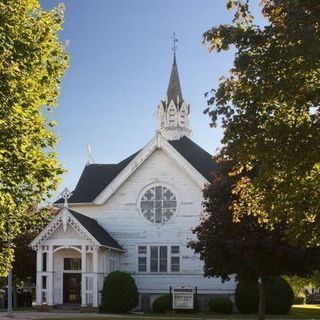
[[66, 194], [175, 47], [90, 158]]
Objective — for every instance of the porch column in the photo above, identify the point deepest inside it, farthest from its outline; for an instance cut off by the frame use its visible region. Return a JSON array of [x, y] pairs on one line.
[[50, 276], [95, 263], [39, 279], [83, 275]]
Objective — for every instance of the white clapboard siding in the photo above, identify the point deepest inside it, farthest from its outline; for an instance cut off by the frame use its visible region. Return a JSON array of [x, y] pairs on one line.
[[121, 217]]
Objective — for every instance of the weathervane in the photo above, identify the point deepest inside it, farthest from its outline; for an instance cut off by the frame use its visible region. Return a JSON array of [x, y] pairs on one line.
[[66, 194], [175, 40]]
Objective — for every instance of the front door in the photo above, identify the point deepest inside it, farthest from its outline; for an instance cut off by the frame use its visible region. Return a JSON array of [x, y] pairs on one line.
[[72, 288]]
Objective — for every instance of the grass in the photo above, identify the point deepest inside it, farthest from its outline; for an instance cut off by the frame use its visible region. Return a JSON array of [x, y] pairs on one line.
[[297, 312]]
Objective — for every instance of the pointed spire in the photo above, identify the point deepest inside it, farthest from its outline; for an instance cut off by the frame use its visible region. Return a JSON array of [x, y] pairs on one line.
[[174, 89]]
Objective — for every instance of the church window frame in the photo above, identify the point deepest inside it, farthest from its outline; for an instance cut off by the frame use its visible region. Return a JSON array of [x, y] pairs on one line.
[[71, 264], [142, 259], [157, 259], [158, 203]]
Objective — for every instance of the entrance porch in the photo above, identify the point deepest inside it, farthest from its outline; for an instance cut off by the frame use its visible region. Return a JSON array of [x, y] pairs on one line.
[[68, 275], [74, 254]]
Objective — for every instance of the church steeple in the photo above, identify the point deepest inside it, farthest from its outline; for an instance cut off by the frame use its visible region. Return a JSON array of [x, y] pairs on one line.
[[174, 113], [174, 88]]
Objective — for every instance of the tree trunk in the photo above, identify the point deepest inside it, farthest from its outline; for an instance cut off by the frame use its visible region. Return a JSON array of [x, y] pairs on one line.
[[262, 299]]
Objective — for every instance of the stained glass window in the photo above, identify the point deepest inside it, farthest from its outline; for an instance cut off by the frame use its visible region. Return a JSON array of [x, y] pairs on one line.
[[158, 204]]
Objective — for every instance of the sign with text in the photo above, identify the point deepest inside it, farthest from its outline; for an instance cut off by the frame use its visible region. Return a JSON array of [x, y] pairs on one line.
[[182, 298]]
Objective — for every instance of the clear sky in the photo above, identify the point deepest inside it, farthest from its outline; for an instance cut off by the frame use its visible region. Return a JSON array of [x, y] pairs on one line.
[[120, 62]]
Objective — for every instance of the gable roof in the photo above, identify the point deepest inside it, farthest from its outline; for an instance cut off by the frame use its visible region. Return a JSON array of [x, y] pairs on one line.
[[95, 178], [96, 230], [87, 227], [200, 159]]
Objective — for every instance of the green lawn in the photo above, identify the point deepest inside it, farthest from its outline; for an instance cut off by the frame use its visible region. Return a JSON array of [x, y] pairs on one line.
[[297, 312]]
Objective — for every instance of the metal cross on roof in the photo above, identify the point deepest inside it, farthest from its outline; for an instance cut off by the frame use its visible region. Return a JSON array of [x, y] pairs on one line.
[[66, 194], [175, 40]]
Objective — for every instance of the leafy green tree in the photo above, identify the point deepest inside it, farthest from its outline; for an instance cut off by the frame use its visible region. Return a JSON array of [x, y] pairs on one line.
[[24, 264], [269, 108], [32, 62], [245, 248]]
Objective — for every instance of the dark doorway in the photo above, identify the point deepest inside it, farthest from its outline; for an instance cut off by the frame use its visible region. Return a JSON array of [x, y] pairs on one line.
[[72, 288]]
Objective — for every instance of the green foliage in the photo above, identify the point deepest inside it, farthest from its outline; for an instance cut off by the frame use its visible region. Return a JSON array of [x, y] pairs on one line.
[[245, 247], [269, 108], [299, 284], [247, 296], [279, 296], [32, 62], [162, 304], [119, 293], [24, 264], [220, 305]]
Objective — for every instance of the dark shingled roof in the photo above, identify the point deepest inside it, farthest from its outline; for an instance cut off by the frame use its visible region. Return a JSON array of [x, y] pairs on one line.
[[96, 177], [200, 159], [174, 87], [97, 231]]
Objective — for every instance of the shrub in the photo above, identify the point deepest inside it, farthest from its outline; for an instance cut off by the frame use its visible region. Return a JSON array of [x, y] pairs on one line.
[[220, 305], [247, 297], [162, 304], [298, 300], [279, 296], [119, 293]]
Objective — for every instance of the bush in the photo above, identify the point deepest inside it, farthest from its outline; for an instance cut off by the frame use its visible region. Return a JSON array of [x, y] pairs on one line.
[[220, 305], [279, 296], [162, 304], [119, 293], [298, 300], [247, 297]]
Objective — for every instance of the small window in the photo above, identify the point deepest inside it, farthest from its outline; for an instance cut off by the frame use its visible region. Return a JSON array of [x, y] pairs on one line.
[[175, 249], [44, 261], [142, 250], [44, 282], [142, 264], [163, 259], [142, 259], [175, 264], [154, 254], [175, 259], [72, 263]]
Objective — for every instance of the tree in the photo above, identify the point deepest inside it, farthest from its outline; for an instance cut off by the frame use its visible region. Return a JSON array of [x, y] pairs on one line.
[[245, 248], [270, 111], [32, 62], [24, 264]]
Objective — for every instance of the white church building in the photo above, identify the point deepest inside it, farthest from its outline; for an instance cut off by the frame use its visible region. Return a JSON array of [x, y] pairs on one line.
[[135, 216]]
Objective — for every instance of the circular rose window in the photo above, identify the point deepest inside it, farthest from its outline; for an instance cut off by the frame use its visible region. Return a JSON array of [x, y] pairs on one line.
[[158, 204]]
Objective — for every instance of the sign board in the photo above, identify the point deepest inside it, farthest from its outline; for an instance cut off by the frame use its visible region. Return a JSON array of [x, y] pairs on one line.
[[183, 298]]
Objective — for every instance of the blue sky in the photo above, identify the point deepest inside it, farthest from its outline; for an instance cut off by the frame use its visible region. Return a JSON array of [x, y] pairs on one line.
[[120, 62]]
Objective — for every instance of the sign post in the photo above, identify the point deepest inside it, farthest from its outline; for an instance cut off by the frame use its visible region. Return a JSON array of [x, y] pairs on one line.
[[183, 298]]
